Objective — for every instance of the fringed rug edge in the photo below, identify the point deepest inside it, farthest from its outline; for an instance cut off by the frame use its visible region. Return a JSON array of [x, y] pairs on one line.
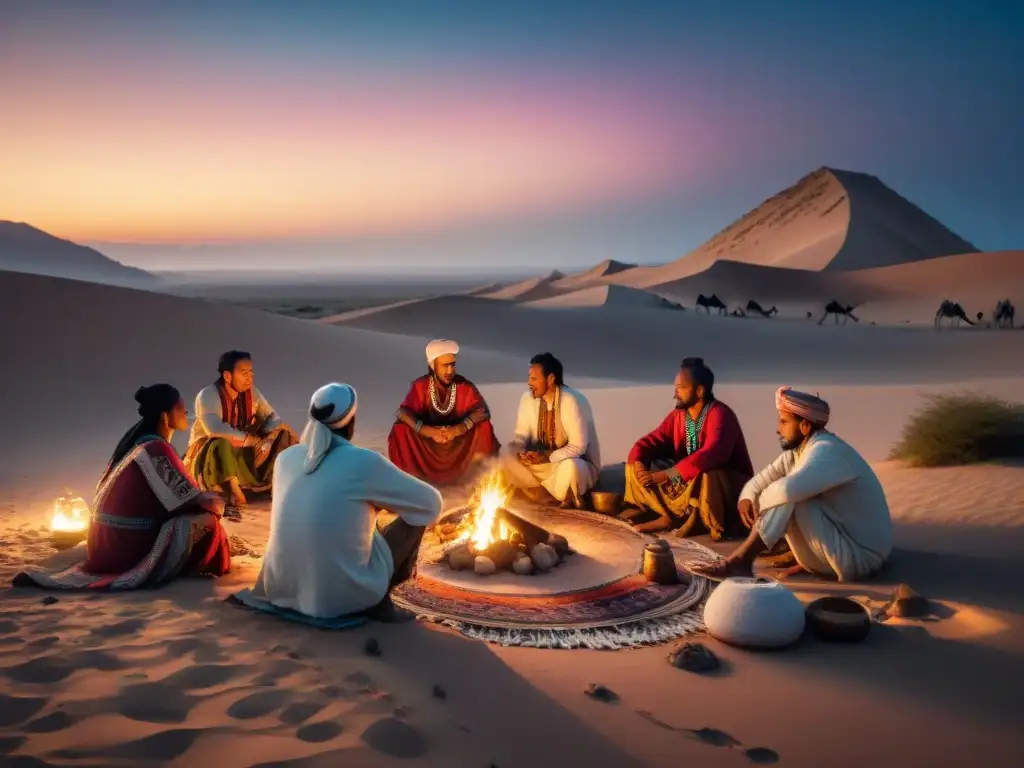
[[627, 635]]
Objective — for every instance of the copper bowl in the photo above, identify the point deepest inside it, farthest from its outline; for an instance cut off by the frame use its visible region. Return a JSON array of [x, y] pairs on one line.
[[838, 619], [606, 502]]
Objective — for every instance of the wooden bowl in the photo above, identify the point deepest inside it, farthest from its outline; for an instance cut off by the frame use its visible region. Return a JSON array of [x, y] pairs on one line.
[[606, 502], [838, 619]]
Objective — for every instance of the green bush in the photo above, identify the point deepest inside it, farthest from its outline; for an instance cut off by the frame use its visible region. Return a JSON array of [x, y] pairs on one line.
[[962, 429]]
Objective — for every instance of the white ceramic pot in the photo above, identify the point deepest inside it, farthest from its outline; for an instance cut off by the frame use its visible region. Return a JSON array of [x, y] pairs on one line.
[[754, 613]]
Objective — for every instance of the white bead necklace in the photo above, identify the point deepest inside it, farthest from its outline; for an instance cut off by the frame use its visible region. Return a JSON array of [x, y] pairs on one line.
[[451, 399]]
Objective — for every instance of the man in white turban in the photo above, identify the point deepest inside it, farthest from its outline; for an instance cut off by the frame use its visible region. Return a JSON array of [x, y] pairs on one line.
[[326, 556], [820, 495], [443, 426]]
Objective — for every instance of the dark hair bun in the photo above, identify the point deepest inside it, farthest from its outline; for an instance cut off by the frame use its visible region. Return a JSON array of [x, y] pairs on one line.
[[693, 362], [156, 399], [321, 412]]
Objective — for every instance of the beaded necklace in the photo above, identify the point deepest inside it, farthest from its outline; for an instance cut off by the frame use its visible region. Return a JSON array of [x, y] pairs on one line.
[[433, 398], [693, 429]]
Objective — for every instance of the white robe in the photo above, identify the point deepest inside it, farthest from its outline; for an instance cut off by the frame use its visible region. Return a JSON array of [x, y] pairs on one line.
[[576, 463], [325, 556], [210, 423], [828, 504]]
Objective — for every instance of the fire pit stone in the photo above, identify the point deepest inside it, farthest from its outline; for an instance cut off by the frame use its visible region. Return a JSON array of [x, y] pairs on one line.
[[487, 537]]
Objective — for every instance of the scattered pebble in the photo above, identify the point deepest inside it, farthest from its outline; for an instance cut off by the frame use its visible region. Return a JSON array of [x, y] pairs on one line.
[[372, 647], [907, 603], [693, 657], [50, 600], [601, 693], [439, 693]]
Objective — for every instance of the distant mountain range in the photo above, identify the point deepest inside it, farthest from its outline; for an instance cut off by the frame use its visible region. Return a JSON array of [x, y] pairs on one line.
[[23, 248]]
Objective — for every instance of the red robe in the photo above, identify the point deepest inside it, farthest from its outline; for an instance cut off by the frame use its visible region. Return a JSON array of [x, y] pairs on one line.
[[132, 505], [720, 444], [433, 462]]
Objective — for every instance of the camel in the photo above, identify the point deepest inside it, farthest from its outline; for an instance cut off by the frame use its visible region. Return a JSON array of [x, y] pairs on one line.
[[753, 306], [838, 310], [1003, 316], [708, 303], [953, 311]]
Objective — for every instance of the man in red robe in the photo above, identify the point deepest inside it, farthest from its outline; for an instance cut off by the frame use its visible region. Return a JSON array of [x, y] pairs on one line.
[[443, 426], [690, 470]]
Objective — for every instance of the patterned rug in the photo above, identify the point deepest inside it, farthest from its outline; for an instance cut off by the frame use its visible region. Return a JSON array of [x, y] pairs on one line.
[[594, 599]]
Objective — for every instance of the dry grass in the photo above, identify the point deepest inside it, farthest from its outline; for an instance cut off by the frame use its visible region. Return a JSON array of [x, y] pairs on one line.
[[962, 429]]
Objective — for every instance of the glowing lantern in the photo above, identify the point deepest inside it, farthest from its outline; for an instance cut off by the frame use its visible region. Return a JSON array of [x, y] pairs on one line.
[[69, 523]]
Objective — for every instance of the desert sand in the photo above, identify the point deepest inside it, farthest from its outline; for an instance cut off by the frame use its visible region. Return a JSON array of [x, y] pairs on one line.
[[178, 677]]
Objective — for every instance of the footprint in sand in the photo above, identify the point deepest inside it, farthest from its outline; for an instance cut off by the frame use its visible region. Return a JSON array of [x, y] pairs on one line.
[[56, 721], [18, 709], [184, 646], [278, 670], [10, 743], [42, 670], [201, 676], [317, 733], [44, 642], [120, 629], [160, 747], [258, 704], [299, 712], [8, 627], [154, 703], [391, 736]]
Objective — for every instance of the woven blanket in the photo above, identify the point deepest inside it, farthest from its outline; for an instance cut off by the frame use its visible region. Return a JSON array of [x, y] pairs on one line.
[[596, 598]]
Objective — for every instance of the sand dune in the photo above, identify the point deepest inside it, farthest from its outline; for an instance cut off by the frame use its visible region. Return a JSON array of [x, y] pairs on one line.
[[94, 345], [599, 340], [829, 220], [599, 272], [23, 248], [527, 290], [618, 296], [177, 677], [979, 279]]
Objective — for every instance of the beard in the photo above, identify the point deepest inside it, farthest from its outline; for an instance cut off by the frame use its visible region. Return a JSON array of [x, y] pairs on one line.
[[791, 445], [682, 405]]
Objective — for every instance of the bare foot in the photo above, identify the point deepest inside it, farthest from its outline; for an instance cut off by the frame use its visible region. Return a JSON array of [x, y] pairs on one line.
[[721, 569], [630, 513], [654, 526], [237, 497], [784, 573]]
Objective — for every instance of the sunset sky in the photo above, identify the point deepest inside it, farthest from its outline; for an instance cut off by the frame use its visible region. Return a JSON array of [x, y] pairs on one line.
[[428, 133]]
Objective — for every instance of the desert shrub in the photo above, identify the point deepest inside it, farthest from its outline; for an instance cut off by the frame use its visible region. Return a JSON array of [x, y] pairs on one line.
[[962, 429]]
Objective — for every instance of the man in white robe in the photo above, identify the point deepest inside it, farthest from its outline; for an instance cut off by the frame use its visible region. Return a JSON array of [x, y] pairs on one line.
[[554, 454], [326, 556], [820, 495]]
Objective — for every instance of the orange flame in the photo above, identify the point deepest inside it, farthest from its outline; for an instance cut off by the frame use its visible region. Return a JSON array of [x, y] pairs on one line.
[[485, 528]]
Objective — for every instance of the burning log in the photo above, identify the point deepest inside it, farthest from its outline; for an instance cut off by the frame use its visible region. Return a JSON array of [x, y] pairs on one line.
[[486, 536]]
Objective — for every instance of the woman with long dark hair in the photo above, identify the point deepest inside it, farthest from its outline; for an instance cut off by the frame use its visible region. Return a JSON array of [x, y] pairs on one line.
[[150, 522]]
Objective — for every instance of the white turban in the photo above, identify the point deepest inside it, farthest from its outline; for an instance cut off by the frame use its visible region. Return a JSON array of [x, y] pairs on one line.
[[331, 407], [439, 347]]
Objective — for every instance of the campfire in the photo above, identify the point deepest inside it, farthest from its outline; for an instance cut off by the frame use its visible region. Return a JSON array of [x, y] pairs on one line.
[[69, 523], [486, 536]]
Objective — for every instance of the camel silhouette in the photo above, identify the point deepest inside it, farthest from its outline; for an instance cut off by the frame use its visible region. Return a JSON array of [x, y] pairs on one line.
[[709, 302], [1003, 316], [953, 311], [753, 306], [837, 310]]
